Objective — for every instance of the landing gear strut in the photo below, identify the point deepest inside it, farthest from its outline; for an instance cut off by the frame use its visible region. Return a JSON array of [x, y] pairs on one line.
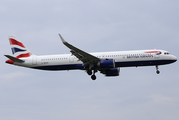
[[158, 72], [93, 77]]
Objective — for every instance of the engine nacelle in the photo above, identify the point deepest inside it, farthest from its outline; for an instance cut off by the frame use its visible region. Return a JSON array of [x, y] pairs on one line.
[[106, 63], [112, 72]]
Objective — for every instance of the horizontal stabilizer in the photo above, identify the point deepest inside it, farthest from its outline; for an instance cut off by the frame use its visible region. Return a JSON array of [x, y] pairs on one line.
[[14, 59]]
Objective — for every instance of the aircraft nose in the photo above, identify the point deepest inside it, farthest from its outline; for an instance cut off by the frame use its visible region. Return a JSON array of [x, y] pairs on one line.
[[174, 58]]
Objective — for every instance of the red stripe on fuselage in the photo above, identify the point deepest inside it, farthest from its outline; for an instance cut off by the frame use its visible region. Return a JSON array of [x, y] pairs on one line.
[[24, 55], [153, 52], [15, 42]]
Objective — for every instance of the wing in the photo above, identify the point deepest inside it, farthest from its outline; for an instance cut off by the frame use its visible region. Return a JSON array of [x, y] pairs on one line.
[[85, 57]]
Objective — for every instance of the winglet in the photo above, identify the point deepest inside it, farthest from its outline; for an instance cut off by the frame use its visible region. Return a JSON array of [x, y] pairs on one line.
[[62, 39]]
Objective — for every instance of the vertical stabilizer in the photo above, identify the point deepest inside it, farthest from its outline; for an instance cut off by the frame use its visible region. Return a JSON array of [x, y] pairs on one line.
[[18, 49]]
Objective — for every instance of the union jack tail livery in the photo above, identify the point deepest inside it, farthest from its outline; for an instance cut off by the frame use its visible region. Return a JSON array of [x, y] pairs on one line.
[[18, 49]]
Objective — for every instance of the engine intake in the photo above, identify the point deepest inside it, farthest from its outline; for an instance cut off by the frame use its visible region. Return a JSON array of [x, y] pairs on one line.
[[106, 63]]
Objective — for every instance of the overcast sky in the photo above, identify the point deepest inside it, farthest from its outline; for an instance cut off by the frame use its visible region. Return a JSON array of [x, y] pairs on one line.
[[93, 26]]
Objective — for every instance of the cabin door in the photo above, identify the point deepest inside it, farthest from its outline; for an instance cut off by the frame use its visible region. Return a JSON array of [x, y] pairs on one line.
[[34, 60], [71, 59]]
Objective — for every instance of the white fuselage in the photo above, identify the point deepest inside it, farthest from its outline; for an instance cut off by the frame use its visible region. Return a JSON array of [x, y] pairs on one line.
[[107, 63], [122, 59]]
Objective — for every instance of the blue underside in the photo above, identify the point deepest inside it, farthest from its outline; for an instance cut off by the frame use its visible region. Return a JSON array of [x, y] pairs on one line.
[[117, 64]]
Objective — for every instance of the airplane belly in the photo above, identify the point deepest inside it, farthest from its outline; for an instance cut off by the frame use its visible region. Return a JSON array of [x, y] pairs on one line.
[[142, 63], [60, 67]]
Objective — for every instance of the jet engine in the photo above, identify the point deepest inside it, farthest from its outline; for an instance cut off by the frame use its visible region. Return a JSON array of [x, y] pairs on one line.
[[112, 72], [106, 63]]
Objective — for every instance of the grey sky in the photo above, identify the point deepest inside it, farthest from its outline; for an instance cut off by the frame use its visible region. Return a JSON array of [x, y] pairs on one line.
[[96, 25]]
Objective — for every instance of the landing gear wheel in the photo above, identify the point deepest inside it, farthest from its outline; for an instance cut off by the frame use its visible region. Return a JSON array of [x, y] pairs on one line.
[[93, 77], [89, 72], [158, 72], [157, 69]]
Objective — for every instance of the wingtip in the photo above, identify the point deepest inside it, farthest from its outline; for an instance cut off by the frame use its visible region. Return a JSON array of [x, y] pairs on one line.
[[62, 38], [59, 34]]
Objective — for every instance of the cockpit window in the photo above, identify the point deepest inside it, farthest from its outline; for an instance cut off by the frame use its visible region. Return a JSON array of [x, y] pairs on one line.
[[166, 53]]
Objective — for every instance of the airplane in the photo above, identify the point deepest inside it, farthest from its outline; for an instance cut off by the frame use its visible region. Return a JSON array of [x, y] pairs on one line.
[[108, 63]]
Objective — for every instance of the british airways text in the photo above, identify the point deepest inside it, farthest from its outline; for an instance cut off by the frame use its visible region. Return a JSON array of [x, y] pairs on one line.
[[139, 56]]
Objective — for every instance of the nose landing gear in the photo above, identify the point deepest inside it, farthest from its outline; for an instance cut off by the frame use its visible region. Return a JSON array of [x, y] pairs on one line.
[[158, 72]]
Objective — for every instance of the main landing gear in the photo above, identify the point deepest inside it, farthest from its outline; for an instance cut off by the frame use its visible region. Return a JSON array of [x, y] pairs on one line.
[[89, 72], [158, 72], [93, 77]]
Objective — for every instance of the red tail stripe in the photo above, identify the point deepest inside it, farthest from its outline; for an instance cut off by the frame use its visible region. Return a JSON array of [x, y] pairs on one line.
[[24, 55], [15, 42], [10, 61]]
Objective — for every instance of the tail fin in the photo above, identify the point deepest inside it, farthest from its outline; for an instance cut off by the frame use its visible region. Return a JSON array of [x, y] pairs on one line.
[[18, 49]]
